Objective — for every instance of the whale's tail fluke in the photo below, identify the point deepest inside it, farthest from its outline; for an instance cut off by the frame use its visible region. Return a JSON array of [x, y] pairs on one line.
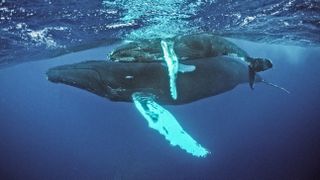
[[257, 65]]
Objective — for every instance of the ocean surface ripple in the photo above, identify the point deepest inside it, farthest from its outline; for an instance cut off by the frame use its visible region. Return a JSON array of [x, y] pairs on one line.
[[33, 30]]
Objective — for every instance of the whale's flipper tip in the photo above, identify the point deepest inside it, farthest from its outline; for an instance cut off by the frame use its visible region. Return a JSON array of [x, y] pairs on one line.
[[186, 68]]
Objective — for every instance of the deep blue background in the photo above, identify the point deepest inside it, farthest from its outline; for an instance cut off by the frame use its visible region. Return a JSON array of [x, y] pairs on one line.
[[50, 131]]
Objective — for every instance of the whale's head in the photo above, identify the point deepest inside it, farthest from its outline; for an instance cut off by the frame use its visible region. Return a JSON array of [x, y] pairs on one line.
[[81, 75], [112, 80]]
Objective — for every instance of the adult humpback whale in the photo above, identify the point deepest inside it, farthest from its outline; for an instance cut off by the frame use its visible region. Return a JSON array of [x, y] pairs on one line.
[[117, 81], [146, 85]]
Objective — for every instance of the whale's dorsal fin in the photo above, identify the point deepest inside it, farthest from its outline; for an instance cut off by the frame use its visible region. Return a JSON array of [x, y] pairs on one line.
[[166, 124]]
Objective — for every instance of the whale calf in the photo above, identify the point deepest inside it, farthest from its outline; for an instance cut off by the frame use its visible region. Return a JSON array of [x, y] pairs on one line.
[[186, 47]]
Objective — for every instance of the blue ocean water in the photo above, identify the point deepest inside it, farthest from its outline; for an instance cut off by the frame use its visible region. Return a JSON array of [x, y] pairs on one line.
[[50, 131]]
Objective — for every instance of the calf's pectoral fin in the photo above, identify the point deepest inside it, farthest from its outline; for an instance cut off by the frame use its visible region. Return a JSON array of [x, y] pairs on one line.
[[183, 68]]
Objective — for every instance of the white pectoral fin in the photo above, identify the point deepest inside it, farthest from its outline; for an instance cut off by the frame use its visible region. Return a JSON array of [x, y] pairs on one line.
[[172, 63], [166, 124], [183, 68]]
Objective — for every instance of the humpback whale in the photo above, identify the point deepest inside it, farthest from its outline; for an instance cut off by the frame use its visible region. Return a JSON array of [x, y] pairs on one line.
[[117, 81], [137, 72], [186, 47], [146, 85]]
